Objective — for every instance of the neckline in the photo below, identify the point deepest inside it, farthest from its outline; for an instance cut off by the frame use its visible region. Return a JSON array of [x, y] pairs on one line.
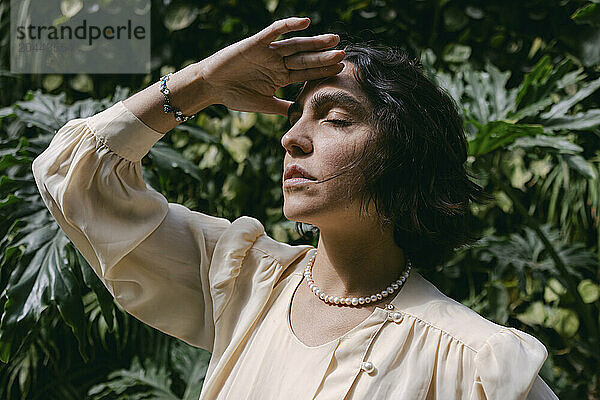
[[397, 299], [378, 312]]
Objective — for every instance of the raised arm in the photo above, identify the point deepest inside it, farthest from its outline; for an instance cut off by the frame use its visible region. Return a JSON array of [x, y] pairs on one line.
[[155, 257], [243, 76]]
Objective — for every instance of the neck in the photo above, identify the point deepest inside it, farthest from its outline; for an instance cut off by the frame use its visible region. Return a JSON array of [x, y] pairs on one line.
[[357, 262]]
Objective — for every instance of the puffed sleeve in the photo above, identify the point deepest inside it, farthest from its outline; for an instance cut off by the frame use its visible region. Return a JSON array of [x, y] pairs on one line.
[[508, 364], [153, 256]]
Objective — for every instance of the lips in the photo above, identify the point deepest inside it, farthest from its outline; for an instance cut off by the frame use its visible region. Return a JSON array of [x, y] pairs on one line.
[[297, 171]]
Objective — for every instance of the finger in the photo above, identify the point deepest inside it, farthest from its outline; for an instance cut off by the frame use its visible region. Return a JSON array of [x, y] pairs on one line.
[[294, 45], [273, 105], [314, 60], [279, 27], [315, 73]]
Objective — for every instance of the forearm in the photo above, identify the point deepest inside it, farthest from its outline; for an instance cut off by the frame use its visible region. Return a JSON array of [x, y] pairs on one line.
[[189, 92]]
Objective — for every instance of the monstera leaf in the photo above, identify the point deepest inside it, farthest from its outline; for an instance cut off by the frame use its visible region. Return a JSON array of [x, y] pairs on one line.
[[39, 267], [150, 378]]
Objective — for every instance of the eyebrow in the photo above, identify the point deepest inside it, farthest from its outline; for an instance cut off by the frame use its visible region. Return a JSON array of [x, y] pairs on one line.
[[323, 99]]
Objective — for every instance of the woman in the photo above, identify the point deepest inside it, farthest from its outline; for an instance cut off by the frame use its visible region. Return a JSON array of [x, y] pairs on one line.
[[348, 320]]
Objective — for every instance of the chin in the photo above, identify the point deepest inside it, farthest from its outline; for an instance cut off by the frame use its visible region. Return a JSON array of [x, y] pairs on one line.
[[297, 214]]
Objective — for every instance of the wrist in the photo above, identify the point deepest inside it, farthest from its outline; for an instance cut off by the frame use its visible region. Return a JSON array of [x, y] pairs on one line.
[[190, 92]]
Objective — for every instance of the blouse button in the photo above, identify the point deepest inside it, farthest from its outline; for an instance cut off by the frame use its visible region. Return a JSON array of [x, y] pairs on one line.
[[368, 367], [395, 316]]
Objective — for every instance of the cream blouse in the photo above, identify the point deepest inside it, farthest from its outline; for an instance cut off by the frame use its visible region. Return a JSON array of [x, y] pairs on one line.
[[216, 285]]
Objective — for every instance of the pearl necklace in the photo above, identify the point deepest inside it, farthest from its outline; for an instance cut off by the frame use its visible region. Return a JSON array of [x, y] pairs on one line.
[[353, 301]]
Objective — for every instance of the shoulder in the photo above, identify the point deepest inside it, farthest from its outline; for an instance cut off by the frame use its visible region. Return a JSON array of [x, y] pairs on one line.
[[421, 299], [246, 243], [506, 360]]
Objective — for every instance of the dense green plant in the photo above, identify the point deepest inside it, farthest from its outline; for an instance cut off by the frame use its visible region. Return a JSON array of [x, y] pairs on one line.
[[508, 33], [535, 147]]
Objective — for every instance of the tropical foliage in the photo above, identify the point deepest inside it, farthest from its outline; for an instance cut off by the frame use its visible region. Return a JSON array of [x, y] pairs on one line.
[[527, 80]]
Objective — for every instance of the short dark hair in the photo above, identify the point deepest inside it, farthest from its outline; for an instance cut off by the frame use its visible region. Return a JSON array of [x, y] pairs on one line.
[[414, 162]]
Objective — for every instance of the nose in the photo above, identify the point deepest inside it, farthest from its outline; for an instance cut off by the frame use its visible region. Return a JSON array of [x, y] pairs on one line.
[[296, 141]]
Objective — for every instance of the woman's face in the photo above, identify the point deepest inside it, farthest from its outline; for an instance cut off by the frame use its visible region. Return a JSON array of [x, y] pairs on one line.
[[329, 129]]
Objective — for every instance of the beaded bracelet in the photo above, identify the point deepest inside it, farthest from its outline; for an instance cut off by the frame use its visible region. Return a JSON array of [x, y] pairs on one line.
[[167, 107]]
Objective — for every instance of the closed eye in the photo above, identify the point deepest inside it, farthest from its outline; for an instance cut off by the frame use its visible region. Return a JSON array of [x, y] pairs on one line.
[[338, 122]]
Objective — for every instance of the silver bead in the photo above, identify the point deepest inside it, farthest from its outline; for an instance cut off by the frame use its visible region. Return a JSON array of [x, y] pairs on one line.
[[384, 293], [321, 295], [354, 301], [374, 298], [336, 300], [390, 306], [395, 286], [367, 300], [379, 296], [390, 290], [361, 300], [348, 301]]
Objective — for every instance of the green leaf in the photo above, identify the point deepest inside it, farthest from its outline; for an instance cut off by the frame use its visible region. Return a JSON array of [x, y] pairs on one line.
[[105, 299], [191, 363], [70, 8], [581, 165], [563, 321], [590, 49], [238, 146], [197, 133], [148, 379], [454, 19], [588, 14], [535, 314], [82, 83], [541, 81], [52, 82], [560, 143], [456, 53], [539, 73], [582, 121], [9, 160], [42, 278], [166, 158], [525, 251], [589, 291], [180, 16], [583, 11], [496, 134], [502, 101], [553, 290], [271, 5], [241, 122], [561, 108], [498, 302], [231, 187], [211, 157]]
